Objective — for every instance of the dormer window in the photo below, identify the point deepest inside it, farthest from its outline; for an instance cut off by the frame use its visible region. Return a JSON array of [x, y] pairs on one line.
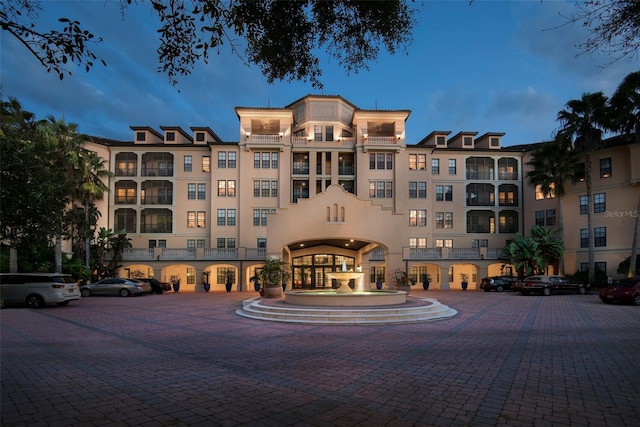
[[441, 141], [171, 136], [200, 136], [141, 136], [468, 141], [494, 141]]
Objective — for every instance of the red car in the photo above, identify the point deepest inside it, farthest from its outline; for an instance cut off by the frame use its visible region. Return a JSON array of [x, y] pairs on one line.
[[627, 290]]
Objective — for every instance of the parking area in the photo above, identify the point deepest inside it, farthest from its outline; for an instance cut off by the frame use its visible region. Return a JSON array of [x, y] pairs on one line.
[[186, 359]]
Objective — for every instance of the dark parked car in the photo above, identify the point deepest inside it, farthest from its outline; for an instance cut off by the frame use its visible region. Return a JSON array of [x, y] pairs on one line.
[[115, 286], [157, 287], [546, 285], [498, 283], [627, 290]]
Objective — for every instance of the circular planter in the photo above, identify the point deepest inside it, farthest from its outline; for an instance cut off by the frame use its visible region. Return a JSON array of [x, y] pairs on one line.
[[273, 291]]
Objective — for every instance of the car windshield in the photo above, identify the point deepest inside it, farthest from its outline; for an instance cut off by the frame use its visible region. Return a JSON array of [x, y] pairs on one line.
[[626, 283]]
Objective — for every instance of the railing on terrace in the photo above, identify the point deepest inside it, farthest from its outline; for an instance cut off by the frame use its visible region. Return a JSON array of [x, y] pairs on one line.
[[495, 253], [256, 253], [512, 176], [464, 253], [156, 200], [303, 141], [221, 253], [181, 253], [143, 254], [158, 171], [264, 139], [485, 175], [381, 140], [425, 253]]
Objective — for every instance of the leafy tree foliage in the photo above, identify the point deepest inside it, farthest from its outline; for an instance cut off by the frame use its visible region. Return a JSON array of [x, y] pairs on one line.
[[614, 27], [45, 172], [108, 252], [533, 254], [283, 38], [53, 48]]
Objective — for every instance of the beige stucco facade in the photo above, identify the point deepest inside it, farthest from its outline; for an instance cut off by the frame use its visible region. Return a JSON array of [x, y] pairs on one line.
[[317, 183]]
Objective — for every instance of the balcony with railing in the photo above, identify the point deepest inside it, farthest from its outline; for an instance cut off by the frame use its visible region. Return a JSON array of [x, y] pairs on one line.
[[452, 254], [303, 141], [381, 140], [193, 254]]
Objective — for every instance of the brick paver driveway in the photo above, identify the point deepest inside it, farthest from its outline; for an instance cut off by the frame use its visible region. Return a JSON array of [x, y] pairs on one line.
[[187, 359]]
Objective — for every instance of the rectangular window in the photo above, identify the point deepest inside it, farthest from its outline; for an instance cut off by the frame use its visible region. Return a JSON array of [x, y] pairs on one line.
[[479, 243], [162, 243], [540, 218], [222, 159], [413, 190], [317, 133], [200, 243], [444, 193], [222, 188], [440, 140], [274, 188], [201, 219], [467, 141], [222, 217], [191, 219], [584, 238], [231, 188], [417, 217], [231, 242], [261, 243], [141, 136], [444, 219], [199, 136], [413, 162], [266, 160], [422, 162], [188, 163], [274, 160], [599, 202], [328, 133], [422, 190], [444, 243], [256, 160], [452, 166], [435, 166], [191, 243], [231, 217], [202, 191], [191, 191], [605, 168], [389, 161], [256, 217], [221, 242], [152, 243], [584, 205], [265, 189], [600, 237], [206, 164], [232, 160], [380, 189], [551, 216]]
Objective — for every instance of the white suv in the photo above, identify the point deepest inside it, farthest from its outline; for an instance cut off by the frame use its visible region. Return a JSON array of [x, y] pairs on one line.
[[38, 289]]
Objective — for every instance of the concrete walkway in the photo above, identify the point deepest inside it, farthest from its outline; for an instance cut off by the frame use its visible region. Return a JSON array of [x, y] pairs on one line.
[[187, 359]]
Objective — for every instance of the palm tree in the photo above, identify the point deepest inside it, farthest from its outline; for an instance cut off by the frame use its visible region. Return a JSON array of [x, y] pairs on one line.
[[583, 122], [625, 104], [552, 165], [551, 248], [92, 173]]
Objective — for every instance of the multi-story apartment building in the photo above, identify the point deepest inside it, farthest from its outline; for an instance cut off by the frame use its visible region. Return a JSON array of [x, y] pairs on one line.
[[316, 183], [614, 207]]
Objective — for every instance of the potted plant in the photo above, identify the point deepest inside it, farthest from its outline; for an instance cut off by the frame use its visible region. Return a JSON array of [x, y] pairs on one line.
[[175, 282], [273, 275], [229, 279], [403, 281], [465, 280], [205, 281], [379, 281], [256, 280], [426, 281]]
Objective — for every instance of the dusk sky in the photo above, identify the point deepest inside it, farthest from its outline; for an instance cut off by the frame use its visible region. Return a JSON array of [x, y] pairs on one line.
[[492, 66]]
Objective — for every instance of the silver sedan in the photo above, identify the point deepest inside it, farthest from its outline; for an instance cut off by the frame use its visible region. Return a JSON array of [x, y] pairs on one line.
[[115, 286]]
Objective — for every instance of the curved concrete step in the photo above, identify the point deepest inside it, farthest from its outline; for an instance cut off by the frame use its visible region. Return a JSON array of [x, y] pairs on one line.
[[416, 309]]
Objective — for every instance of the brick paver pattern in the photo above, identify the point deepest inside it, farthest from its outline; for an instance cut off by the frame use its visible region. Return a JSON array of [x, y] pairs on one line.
[[187, 359]]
